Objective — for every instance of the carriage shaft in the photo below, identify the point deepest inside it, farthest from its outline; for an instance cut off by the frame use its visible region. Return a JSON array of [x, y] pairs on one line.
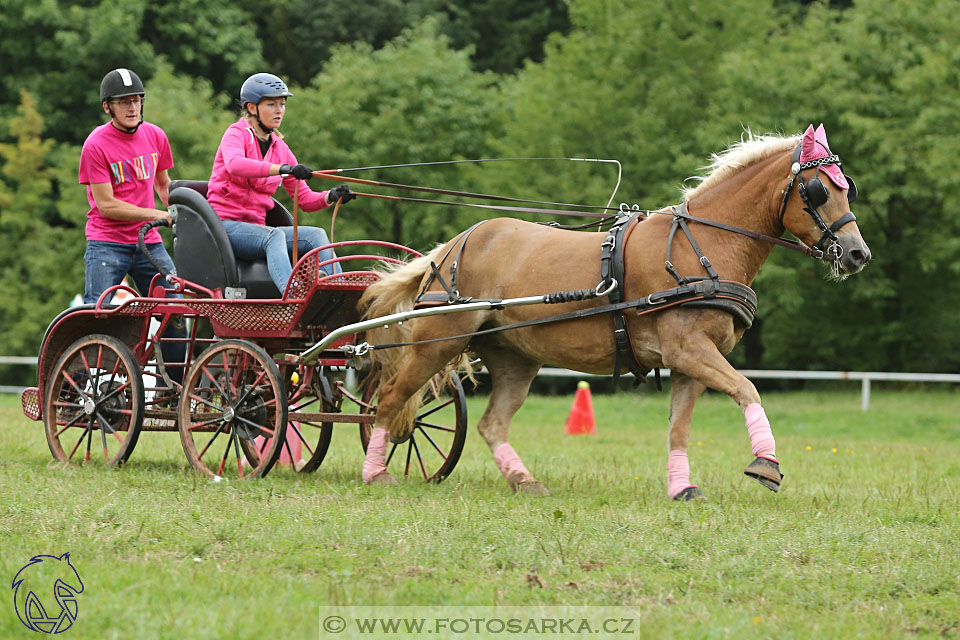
[[312, 354]]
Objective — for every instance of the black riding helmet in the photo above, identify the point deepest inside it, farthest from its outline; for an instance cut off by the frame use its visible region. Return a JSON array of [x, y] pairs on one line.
[[260, 86], [121, 83]]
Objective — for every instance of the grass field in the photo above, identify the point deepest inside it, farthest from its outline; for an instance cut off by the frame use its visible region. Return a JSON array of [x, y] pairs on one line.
[[862, 541]]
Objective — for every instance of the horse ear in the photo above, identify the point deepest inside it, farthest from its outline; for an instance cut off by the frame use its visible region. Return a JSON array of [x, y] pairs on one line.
[[65, 556], [808, 144], [821, 136]]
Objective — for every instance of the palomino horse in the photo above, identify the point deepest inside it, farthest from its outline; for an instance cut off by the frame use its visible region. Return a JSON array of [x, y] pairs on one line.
[[750, 186]]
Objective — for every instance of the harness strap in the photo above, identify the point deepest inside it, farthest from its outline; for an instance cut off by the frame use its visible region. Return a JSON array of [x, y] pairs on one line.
[[734, 292], [612, 271], [679, 219], [425, 299]]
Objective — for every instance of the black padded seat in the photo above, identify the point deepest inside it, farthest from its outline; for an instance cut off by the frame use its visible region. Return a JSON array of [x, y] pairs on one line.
[[202, 251]]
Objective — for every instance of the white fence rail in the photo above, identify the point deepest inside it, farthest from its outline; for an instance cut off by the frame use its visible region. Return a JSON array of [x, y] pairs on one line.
[[865, 377]]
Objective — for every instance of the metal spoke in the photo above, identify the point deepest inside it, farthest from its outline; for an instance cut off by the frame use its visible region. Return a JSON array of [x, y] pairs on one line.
[[215, 434], [77, 446], [303, 440], [103, 438], [236, 449], [223, 460], [104, 425], [427, 436], [73, 383], [70, 424], [258, 426], [423, 469], [445, 403], [251, 388], [406, 469], [114, 392], [194, 396], [96, 377], [89, 439], [206, 372], [421, 423], [193, 427]]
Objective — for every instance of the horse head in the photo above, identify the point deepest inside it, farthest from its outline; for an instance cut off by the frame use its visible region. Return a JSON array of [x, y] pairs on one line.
[[820, 216]]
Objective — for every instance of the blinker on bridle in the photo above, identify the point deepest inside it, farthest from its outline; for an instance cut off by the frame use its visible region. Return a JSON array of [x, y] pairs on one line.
[[814, 195]]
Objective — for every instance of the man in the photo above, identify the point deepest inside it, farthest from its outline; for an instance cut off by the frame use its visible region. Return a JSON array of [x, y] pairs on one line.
[[122, 164]]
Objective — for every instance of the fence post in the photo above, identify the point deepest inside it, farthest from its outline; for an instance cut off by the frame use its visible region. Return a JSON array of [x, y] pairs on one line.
[[865, 393]]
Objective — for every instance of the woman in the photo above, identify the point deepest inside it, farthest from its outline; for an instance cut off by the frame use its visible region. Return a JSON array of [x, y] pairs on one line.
[[250, 165]]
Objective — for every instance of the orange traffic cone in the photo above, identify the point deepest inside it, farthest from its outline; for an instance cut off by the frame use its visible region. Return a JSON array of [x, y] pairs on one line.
[[581, 421]]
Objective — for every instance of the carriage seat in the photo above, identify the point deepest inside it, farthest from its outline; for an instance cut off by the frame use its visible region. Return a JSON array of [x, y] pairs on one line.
[[202, 251]]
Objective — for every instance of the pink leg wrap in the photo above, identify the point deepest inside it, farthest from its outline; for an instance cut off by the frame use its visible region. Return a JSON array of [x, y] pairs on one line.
[[375, 462], [510, 464], [678, 472], [758, 428]]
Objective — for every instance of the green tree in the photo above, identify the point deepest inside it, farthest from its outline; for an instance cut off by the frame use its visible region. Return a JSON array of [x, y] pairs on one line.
[[39, 263], [216, 42], [631, 82], [413, 100], [299, 35], [883, 77], [504, 33], [59, 52]]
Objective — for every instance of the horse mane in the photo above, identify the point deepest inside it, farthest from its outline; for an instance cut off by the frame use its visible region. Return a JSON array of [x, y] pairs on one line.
[[751, 149]]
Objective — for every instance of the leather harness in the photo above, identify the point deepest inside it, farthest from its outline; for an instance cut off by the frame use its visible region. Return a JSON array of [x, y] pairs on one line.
[[710, 292]]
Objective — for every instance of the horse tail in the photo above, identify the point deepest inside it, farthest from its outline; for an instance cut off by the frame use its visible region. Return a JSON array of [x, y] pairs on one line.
[[395, 292]]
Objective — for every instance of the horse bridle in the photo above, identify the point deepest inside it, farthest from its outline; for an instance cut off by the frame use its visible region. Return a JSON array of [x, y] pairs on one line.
[[814, 195]]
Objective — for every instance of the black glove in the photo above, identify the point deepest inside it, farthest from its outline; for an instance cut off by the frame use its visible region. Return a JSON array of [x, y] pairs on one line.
[[340, 191], [300, 172]]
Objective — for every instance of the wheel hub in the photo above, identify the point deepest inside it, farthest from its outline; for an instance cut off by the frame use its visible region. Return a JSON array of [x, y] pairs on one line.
[[111, 407], [251, 409], [89, 407]]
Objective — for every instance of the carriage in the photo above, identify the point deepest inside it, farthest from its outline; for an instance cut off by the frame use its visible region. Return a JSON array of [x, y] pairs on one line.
[[271, 376], [247, 400]]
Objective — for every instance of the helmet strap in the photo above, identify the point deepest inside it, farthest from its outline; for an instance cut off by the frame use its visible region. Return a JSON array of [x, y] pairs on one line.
[[263, 127]]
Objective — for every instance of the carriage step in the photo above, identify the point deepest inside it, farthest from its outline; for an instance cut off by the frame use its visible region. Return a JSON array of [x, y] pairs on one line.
[[30, 401]]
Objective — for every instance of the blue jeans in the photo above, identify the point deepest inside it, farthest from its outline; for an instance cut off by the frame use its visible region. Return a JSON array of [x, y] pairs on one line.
[[106, 265], [254, 241]]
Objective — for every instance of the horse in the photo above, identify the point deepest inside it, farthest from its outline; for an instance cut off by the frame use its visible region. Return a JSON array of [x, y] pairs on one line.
[[733, 217]]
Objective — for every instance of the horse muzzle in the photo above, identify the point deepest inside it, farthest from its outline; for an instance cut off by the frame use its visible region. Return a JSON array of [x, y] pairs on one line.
[[848, 254]]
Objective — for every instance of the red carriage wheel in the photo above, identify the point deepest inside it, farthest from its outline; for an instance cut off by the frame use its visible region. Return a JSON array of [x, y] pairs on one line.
[[313, 437], [93, 406], [233, 394], [433, 448], [307, 440]]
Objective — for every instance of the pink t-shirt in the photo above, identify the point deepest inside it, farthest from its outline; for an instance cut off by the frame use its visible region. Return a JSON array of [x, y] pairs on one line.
[[130, 163], [240, 188]]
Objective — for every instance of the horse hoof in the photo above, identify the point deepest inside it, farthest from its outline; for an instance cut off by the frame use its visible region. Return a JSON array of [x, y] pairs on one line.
[[690, 493], [530, 487], [383, 479], [766, 472]]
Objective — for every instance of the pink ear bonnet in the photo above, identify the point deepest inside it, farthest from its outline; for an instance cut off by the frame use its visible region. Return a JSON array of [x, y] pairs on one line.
[[814, 146]]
